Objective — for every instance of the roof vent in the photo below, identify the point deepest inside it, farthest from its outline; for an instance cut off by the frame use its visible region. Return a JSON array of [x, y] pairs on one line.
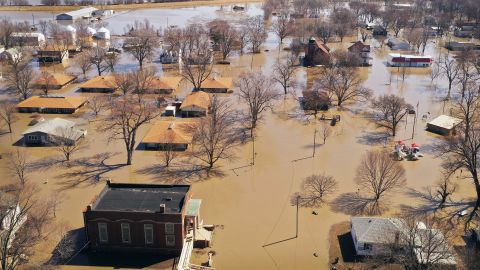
[[162, 208]]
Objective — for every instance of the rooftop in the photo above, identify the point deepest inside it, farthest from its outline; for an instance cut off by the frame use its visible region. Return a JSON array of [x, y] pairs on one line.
[[217, 83], [445, 121], [376, 229], [57, 127], [100, 82], [72, 102], [164, 83], [198, 99], [167, 132], [141, 198], [54, 79]]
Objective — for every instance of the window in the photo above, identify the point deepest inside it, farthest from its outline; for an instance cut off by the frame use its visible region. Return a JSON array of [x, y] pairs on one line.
[[33, 138], [169, 228], [170, 240], [103, 232], [125, 232], [367, 246], [148, 230]]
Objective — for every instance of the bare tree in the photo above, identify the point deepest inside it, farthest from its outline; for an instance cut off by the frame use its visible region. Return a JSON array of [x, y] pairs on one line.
[[98, 104], [345, 84], [315, 189], [46, 80], [69, 141], [18, 165], [224, 36], [142, 80], [284, 74], [168, 153], [379, 174], [7, 113], [127, 114], [98, 58], [20, 76], [444, 190], [84, 62], [214, 138], [325, 32], [65, 248], [467, 73], [325, 132], [391, 110], [256, 32], [125, 82], [450, 70], [414, 38], [143, 42], [283, 27], [254, 89], [25, 220]]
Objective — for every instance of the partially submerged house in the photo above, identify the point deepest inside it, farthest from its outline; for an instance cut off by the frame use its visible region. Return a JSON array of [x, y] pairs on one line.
[[405, 60], [397, 44], [54, 81], [195, 104], [461, 46], [101, 84], [148, 218], [216, 85], [11, 220], [362, 51], [163, 85], [316, 53], [379, 30], [53, 54], [169, 135], [12, 54], [51, 104], [53, 131], [444, 125], [465, 30], [27, 39]]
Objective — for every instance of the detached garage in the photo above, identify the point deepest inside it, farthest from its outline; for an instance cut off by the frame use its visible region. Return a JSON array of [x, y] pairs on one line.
[[443, 125]]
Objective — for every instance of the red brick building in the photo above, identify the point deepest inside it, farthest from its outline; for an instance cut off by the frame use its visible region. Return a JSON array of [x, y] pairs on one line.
[[316, 53], [141, 218]]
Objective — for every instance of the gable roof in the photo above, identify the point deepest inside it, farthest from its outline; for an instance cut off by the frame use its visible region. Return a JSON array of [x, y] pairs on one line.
[[217, 83], [55, 79], [166, 132], [164, 83], [56, 127], [377, 229], [358, 47], [100, 82], [53, 102], [198, 99]]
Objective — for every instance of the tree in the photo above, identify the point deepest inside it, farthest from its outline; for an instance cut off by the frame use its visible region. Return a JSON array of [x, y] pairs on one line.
[[127, 114], [215, 137], [142, 80], [98, 104], [7, 113], [197, 64], [20, 77], [324, 31], [224, 36], [47, 81], [344, 83], [25, 219], [282, 27], [462, 152], [325, 132], [143, 42], [444, 189], [68, 142], [414, 38], [124, 82], [254, 89], [18, 165], [168, 153], [399, 21], [379, 174], [315, 189], [84, 62], [466, 70], [391, 109], [256, 32], [98, 58], [450, 70], [284, 74]]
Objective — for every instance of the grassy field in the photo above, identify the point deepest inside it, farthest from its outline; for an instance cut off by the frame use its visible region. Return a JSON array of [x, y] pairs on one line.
[[130, 6]]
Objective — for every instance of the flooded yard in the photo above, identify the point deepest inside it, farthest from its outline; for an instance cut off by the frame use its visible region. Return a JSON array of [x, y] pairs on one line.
[[251, 204]]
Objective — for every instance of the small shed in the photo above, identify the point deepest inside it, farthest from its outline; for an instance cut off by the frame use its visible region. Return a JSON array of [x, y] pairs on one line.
[[443, 125], [103, 33], [170, 111]]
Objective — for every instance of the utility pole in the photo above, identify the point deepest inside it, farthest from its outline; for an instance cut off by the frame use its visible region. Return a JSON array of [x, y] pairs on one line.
[[253, 149], [314, 142], [296, 233], [415, 120]]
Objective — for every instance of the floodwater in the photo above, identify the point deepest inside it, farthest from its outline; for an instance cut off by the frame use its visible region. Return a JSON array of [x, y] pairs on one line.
[[251, 204]]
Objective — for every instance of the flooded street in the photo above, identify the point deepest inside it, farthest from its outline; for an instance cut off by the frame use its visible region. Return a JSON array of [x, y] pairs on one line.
[[251, 204]]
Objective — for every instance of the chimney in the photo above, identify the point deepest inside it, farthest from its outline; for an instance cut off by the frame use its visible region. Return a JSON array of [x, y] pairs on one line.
[[162, 208], [89, 207]]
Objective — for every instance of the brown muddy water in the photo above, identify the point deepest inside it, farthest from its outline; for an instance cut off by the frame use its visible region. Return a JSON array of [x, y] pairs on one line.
[[251, 204]]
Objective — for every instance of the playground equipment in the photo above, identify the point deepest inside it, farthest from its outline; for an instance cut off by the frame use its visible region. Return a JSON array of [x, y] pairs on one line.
[[402, 151]]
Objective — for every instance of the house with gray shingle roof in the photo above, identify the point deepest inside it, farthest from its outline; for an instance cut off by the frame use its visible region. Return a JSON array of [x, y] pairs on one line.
[[372, 235], [53, 131]]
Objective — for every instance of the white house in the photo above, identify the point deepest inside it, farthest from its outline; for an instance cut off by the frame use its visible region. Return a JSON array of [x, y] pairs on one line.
[[103, 33], [27, 39], [86, 12]]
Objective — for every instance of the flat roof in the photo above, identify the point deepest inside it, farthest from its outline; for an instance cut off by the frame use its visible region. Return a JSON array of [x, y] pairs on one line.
[[141, 198], [445, 121]]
